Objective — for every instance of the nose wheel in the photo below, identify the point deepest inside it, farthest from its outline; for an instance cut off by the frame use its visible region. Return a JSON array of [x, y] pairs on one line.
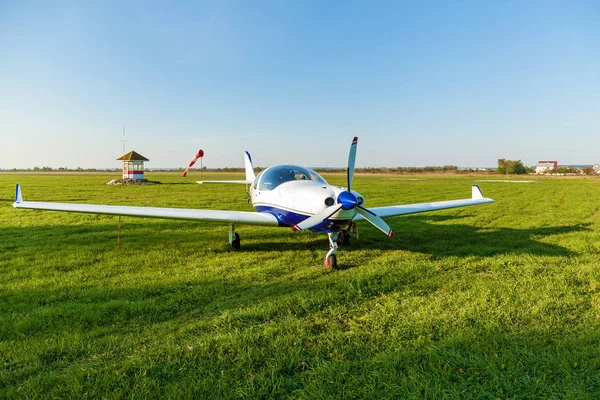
[[331, 262], [341, 238]]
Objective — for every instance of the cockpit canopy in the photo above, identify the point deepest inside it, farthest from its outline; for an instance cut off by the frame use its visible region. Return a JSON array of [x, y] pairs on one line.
[[272, 177]]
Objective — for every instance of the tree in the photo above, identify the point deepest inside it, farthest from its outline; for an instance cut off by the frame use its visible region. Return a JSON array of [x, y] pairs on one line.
[[511, 167]]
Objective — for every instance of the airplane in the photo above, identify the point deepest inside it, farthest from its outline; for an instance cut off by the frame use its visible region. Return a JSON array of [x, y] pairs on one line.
[[283, 196]]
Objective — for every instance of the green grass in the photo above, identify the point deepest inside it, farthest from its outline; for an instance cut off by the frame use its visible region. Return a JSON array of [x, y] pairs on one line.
[[494, 301]]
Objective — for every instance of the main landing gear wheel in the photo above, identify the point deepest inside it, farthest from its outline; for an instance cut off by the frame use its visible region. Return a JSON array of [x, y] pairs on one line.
[[234, 238], [343, 238], [235, 243]]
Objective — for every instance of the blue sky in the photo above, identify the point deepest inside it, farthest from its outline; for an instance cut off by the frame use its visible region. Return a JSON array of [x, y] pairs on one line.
[[420, 83]]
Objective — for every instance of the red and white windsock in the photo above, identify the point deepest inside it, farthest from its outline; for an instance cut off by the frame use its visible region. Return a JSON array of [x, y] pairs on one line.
[[199, 154]]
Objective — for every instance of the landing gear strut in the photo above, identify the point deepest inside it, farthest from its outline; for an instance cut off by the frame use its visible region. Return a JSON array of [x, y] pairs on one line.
[[341, 238], [234, 238], [330, 258]]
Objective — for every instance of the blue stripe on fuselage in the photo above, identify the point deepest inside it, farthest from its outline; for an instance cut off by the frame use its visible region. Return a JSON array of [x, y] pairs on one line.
[[290, 218]]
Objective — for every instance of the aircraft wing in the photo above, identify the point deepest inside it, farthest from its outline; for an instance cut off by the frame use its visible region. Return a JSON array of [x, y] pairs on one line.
[[389, 211], [241, 217]]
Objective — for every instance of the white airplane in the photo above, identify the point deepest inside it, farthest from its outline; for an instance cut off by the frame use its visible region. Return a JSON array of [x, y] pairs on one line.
[[283, 196]]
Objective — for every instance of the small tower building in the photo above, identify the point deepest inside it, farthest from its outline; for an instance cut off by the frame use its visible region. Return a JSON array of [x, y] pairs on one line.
[[133, 165]]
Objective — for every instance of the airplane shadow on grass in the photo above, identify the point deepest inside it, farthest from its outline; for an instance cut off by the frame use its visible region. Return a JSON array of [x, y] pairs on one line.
[[422, 234]]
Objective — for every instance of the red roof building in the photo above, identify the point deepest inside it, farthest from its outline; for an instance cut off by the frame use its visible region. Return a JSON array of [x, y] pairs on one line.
[[545, 166]]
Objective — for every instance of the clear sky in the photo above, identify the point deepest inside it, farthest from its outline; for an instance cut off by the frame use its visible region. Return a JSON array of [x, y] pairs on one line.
[[420, 83]]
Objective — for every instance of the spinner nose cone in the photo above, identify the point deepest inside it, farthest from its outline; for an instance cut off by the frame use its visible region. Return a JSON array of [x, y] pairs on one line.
[[348, 200]]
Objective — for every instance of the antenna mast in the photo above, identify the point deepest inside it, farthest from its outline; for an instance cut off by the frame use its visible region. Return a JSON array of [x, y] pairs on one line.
[[124, 140]]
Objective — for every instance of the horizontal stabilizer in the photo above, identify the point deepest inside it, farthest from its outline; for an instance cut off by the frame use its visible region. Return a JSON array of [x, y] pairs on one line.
[[243, 182]]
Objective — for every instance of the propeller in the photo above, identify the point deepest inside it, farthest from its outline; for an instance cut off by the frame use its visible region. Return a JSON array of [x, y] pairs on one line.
[[351, 161], [346, 201], [376, 221], [317, 219]]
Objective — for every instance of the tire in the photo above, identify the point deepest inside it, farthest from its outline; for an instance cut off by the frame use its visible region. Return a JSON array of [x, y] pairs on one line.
[[331, 262], [236, 242], [343, 238]]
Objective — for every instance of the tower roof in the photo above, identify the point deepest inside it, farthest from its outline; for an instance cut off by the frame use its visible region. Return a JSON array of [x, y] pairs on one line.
[[132, 156]]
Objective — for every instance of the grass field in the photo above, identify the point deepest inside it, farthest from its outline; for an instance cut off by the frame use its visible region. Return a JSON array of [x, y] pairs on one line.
[[494, 301]]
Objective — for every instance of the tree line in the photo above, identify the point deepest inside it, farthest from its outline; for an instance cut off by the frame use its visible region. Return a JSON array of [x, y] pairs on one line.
[[505, 167], [516, 167]]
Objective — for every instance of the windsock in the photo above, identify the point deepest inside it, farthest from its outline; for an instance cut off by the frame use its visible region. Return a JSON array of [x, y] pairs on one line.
[[199, 154]]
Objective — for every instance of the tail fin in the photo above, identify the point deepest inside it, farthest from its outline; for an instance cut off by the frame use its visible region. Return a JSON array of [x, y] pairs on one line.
[[18, 196], [249, 167], [476, 193], [249, 173]]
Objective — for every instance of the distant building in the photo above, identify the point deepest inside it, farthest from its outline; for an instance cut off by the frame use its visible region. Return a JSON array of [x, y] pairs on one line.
[[133, 165], [545, 166], [596, 168]]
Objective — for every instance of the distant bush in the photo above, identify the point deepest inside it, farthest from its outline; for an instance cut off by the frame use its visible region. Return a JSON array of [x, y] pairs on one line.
[[394, 170], [588, 171], [565, 169], [511, 167]]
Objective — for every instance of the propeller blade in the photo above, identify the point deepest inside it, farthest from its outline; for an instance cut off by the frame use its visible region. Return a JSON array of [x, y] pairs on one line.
[[375, 220], [351, 160], [317, 219]]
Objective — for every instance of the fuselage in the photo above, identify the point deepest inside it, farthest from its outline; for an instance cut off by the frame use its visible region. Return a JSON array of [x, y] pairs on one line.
[[292, 194]]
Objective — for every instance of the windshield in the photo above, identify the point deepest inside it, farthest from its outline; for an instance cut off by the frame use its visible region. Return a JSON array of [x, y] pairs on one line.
[[275, 176]]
